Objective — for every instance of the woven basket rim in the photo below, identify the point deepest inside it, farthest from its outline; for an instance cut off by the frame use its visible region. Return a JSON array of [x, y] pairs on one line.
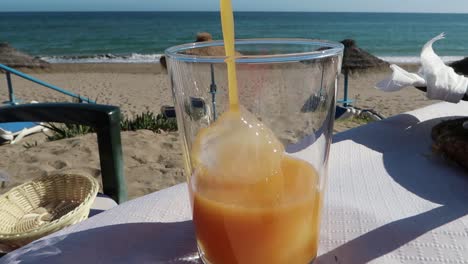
[[65, 218]]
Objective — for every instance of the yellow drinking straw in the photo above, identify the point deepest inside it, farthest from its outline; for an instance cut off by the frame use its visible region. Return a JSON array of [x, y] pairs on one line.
[[227, 23]]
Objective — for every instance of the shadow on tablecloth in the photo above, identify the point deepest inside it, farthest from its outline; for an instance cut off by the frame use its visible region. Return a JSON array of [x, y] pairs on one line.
[[405, 145], [123, 243], [391, 236]]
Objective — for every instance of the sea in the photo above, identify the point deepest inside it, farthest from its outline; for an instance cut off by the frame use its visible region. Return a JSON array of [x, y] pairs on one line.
[[141, 37]]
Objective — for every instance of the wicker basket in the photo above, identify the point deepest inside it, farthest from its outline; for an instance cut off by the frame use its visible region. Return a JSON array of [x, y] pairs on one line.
[[43, 206]]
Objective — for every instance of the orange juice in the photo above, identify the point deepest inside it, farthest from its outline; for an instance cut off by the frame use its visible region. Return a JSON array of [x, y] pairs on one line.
[[252, 203], [239, 223]]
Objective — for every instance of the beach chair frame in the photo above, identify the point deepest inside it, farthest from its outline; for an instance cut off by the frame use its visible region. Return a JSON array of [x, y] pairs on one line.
[[104, 118]]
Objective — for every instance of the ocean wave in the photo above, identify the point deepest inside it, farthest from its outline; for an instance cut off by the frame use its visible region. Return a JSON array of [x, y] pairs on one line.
[[105, 58], [415, 60]]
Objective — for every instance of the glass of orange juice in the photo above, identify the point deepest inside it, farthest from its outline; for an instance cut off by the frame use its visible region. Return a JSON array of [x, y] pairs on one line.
[[256, 152]]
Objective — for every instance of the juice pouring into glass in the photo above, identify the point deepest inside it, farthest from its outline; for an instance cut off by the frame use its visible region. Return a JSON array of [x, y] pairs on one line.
[[253, 202]]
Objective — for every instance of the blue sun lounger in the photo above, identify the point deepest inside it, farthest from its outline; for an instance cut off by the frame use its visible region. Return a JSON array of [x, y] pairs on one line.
[[13, 132]]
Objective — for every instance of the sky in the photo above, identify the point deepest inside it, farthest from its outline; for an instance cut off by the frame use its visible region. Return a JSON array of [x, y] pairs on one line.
[[425, 6]]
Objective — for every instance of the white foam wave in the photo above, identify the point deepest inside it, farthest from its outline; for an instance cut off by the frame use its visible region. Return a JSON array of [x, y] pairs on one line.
[[154, 58], [415, 60], [105, 58]]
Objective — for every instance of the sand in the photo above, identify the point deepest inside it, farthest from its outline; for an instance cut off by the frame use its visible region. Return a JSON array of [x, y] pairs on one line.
[[152, 161]]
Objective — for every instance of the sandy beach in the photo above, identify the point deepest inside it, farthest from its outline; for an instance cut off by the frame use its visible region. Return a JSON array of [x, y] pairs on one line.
[[152, 161]]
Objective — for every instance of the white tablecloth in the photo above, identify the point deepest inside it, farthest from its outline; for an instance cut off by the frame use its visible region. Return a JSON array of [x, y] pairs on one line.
[[389, 200]]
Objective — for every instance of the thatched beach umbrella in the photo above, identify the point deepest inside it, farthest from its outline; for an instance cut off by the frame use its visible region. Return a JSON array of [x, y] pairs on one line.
[[11, 57], [356, 59], [201, 37], [207, 51]]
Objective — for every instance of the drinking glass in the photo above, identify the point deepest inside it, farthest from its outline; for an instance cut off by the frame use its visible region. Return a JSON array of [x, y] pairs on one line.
[[256, 173]]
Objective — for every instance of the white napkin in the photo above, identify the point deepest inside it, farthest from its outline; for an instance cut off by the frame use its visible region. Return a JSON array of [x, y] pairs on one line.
[[441, 80]]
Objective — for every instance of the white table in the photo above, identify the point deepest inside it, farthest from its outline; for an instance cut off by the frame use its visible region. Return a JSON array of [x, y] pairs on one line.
[[389, 200]]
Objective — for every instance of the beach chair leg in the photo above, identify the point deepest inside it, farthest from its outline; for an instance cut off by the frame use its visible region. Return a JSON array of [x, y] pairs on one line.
[[213, 89], [345, 90], [111, 158], [11, 92]]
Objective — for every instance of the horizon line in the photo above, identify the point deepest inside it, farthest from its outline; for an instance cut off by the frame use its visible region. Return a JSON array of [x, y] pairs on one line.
[[216, 11]]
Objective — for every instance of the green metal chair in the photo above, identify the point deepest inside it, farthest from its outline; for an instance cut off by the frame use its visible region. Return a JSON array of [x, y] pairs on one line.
[[104, 118]]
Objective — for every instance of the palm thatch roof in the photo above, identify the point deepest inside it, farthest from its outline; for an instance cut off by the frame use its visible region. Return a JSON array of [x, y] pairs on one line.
[[208, 51], [355, 58]]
